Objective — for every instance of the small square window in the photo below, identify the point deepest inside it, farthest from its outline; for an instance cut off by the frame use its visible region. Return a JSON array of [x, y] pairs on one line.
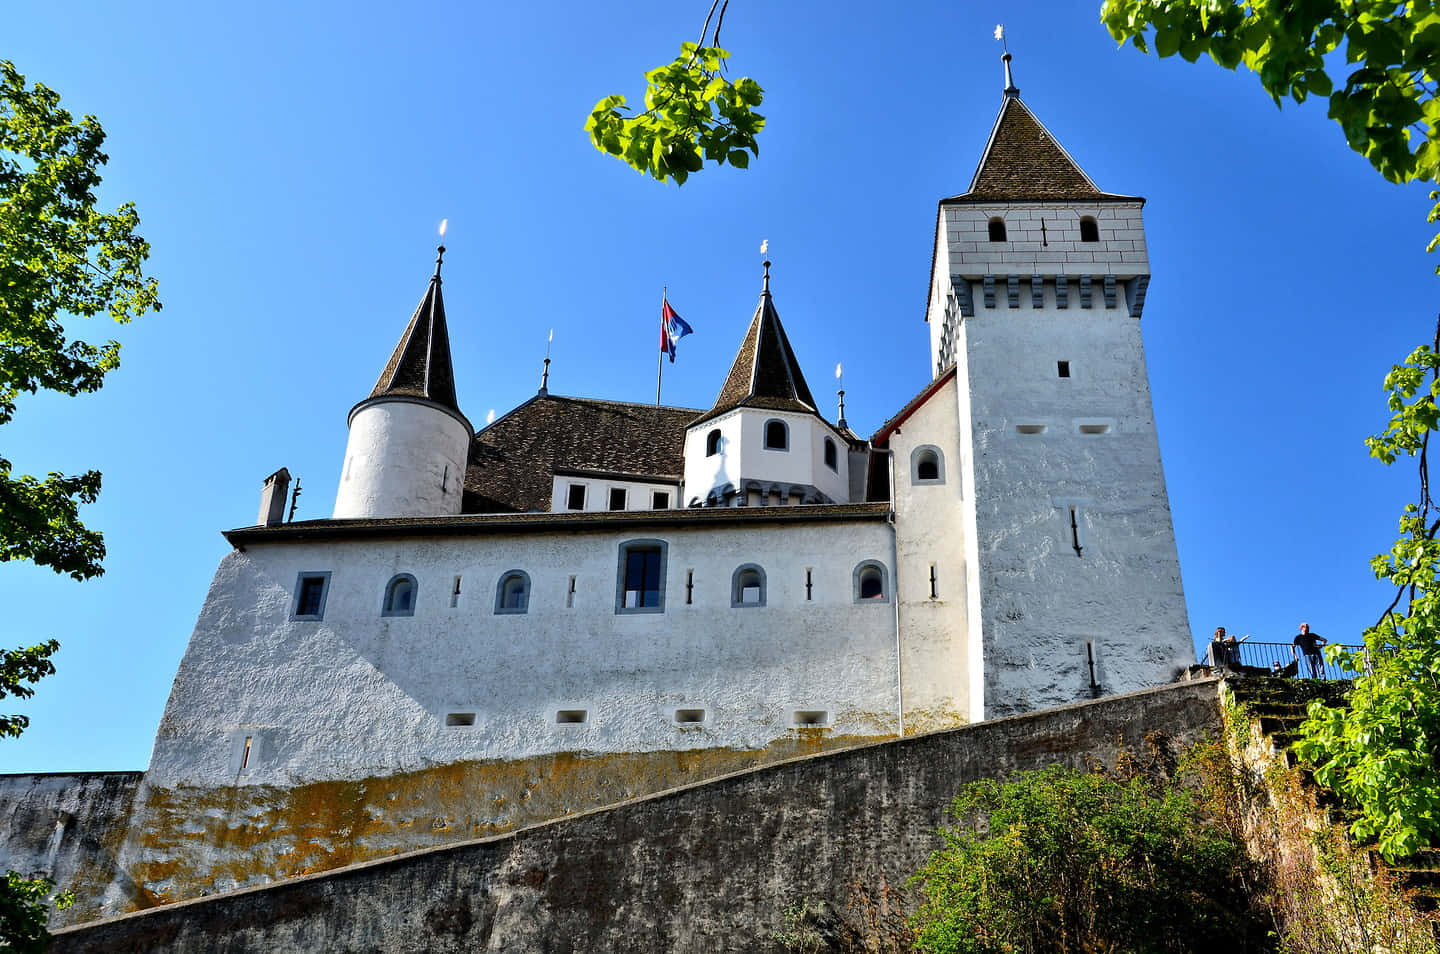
[[310, 592], [659, 500], [575, 500], [617, 498], [1062, 368]]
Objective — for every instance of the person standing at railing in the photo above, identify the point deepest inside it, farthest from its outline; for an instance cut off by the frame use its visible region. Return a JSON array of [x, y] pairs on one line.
[[1309, 643], [1232, 650]]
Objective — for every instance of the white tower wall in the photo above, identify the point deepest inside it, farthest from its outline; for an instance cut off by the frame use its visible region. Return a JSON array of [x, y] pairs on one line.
[[404, 458], [744, 461]]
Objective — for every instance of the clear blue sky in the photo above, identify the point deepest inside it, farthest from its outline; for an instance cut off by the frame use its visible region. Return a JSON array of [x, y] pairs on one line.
[[291, 163]]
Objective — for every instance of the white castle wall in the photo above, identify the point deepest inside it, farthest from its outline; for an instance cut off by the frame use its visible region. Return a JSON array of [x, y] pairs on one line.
[[358, 694], [744, 457], [403, 459], [930, 533], [1042, 601]]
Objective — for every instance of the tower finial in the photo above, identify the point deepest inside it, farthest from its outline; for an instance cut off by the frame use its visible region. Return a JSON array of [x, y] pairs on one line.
[[545, 375], [765, 251], [840, 380], [1011, 90], [440, 249]]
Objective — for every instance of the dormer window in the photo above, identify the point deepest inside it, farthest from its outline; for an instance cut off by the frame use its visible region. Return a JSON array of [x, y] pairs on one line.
[[1089, 230], [712, 443], [777, 435], [997, 229]]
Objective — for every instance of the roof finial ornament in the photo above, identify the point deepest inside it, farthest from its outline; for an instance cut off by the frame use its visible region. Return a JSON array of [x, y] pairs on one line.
[[840, 378], [765, 251], [545, 375], [1011, 90], [440, 249]]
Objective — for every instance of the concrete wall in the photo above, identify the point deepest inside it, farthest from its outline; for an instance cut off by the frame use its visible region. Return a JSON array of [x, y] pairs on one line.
[[708, 868], [66, 827]]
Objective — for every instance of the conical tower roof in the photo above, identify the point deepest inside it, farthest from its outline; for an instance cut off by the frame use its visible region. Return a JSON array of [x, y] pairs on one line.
[[765, 373], [1024, 161], [420, 365]]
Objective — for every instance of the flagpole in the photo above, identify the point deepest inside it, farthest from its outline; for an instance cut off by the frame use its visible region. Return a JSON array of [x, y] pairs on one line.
[[660, 356]]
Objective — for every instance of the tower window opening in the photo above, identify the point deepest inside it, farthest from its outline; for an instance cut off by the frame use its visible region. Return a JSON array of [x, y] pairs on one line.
[[689, 587], [997, 229], [831, 455], [453, 719], [809, 584], [1089, 230], [455, 594], [245, 755], [570, 593], [310, 591], [870, 583], [777, 436], [712, 443], [399, 596], [571, 717], [1075, 532], [512, 595], [747, 587], [934, 583], [811, 717], [689, 716], [927, 465], [1062, 368]]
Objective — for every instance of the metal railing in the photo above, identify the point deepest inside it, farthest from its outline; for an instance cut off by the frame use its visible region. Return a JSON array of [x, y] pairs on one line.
[[1257, 659]]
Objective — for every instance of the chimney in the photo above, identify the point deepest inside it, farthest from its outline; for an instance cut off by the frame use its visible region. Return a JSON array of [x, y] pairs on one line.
[[272, 498]]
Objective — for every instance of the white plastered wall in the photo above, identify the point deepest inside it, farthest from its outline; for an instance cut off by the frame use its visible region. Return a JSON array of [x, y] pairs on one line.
[[402, 459], [356, 693], [930, 532], [1046, 610]]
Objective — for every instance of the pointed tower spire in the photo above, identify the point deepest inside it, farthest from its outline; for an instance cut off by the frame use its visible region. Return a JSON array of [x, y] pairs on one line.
[[765, 373], [420, 365], [1011, 90]]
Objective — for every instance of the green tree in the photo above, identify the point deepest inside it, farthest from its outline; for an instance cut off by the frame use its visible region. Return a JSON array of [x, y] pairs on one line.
[[61, 258], [1383, 753], [692, 113], [1058, 860]]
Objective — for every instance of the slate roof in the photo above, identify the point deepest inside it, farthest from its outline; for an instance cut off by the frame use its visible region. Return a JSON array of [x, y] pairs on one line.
[[420, 365], [1023, 160], [513, 461], [511, 523], [765, 373]]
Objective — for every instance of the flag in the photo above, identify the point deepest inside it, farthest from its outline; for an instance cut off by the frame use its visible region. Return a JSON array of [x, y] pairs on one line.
[[672, 329]]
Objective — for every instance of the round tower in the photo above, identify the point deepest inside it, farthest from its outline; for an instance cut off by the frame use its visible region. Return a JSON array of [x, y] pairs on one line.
[[409, 443]]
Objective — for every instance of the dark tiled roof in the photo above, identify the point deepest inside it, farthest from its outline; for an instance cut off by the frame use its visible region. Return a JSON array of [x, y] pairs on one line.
[[420, 366], [509, 523], [765, 373], [513, 461], [1023, 160]]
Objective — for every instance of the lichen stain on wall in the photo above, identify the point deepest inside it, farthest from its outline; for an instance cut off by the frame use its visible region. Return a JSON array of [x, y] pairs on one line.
[[188, 841]]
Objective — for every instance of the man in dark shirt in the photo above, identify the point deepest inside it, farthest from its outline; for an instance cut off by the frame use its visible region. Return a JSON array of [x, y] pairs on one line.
[[1309, 643]]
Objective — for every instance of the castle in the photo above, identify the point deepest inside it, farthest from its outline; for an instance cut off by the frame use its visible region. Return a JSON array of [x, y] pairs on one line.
[[616, 593]]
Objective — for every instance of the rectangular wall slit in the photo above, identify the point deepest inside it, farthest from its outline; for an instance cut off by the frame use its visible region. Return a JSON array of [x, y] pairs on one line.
[[934, 583], [808, 584], [245, 755], [455, 593], [570, 593]]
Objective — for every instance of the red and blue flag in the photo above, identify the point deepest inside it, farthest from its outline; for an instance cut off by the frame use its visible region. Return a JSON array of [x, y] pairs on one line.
[[672, 329]]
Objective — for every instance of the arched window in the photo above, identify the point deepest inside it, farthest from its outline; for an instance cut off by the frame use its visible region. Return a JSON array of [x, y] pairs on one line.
[[997, 229], [512, 593], [870, 583], [1089, 230], [831, 455], [712, 443], [927, 465], [747, 586], [399, 596], [777, 435]]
